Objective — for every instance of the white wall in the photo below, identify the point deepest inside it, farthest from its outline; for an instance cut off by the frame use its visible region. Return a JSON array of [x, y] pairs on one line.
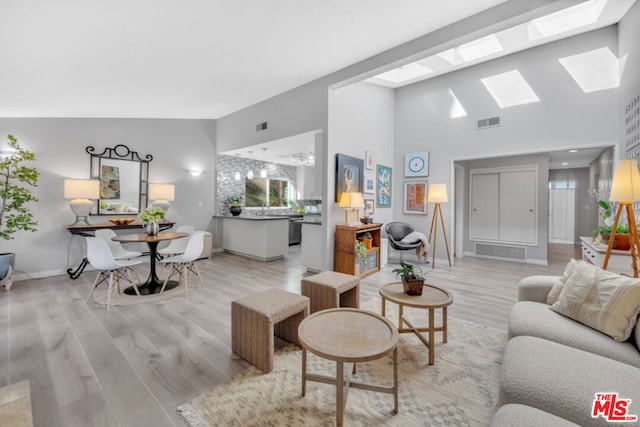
[[360, 118], [565, 118], [629, 45], [59, 145]]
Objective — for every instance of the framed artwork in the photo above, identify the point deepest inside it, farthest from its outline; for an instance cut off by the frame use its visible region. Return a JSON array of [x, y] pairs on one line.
[[369, 185], [110, 182], [349, 174], [383, 186], [415, 197], [416, 164], [368, 160], [368, 207]]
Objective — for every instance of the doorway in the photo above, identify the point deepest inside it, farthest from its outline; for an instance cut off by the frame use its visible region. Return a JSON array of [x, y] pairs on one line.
[[562, 215]]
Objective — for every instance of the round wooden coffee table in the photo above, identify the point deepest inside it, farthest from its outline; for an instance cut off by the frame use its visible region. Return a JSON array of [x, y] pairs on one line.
[[432, 298], [348, 335]]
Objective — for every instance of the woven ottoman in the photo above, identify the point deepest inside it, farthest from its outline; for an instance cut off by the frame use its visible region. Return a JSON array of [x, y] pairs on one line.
[[331, 289], [257, 318]]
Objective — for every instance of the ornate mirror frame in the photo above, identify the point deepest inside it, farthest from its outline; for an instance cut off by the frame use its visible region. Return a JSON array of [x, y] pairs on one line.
[[114, 167]]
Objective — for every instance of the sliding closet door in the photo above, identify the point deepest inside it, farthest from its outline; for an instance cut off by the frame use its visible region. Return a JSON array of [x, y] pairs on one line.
[[518, 206], [484, 206]]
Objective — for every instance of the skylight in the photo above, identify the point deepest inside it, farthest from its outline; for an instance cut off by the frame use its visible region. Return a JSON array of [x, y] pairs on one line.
[[566, 19], [405, 73], [595, 70], [480, 48], [510, 89], [456, 110]]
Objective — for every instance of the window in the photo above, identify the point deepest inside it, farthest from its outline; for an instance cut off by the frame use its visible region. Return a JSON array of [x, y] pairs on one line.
[[265, 192]]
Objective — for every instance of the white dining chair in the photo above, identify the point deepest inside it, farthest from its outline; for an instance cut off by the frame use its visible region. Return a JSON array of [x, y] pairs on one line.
[[118, 251], [177, 246], [184, 264], [109, 269]]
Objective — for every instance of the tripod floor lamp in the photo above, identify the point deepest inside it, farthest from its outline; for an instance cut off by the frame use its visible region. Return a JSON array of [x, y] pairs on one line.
[[625, 189], [437, 194]]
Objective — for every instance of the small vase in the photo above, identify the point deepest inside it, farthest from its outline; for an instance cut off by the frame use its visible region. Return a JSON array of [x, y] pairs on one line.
[[152, 228]]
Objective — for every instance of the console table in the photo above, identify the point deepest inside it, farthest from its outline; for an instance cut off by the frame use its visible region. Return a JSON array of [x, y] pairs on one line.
[[88, 230], [594, 252]]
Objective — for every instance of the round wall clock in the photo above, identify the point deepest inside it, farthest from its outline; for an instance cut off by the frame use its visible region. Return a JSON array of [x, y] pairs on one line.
[[416, 164]]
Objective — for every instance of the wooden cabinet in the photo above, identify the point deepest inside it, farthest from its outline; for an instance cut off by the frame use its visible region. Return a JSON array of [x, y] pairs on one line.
[[345, 246]]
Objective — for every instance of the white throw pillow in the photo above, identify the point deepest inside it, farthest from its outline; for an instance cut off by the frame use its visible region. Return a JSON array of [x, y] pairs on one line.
[[412, 237], [554, 293], [602, 300]]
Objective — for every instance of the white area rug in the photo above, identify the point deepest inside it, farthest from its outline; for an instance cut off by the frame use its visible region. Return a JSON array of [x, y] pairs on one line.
[[461, 389]]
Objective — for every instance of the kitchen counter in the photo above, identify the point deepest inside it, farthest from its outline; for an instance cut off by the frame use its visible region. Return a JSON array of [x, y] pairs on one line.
[[265, 238]]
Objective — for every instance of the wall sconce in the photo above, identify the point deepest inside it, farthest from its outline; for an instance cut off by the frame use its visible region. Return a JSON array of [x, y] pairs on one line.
[[162, 194], [195, 172], [353, 201], [81, 191]]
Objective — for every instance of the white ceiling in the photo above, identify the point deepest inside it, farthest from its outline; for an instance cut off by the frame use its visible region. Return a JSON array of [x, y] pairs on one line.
[[191, 59]]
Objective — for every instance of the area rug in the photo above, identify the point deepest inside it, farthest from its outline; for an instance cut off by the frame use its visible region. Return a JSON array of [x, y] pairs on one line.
[[460, 389]]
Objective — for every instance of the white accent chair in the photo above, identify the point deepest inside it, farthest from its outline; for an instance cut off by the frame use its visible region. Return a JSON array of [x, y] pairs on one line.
[[177, 246], [118, 251], [185, 263], [100, 257]]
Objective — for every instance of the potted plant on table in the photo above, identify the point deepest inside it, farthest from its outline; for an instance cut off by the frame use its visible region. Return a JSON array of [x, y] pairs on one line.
[[411, 282], [621, 239], [151, 216], [234, 201], [16, 178]]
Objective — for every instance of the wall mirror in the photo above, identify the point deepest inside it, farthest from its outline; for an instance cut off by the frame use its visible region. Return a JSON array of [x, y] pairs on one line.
[[124, 179]]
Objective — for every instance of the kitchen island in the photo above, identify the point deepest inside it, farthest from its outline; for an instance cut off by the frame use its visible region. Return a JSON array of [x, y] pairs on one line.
[[265, 238]]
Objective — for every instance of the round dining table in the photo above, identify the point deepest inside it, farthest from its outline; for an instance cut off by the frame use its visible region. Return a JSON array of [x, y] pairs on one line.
[[153, 284]]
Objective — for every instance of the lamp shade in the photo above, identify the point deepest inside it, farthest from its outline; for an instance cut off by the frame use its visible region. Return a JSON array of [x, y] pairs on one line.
[[162, 192], [81, 189], [626, 182], [437, 193], [351, 200]]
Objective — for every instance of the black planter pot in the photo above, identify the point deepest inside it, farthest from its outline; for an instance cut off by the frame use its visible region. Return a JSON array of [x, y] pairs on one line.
[[235, 210]]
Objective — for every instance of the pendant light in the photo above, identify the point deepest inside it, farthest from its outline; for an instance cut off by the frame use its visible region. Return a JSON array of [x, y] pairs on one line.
[[250, 172], [263, 171]]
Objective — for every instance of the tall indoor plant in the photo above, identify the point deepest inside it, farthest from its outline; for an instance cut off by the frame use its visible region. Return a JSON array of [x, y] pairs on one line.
[[16, 178]]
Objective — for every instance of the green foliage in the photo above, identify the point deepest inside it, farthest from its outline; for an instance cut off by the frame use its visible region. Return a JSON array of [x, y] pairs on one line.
[[361, 252], [604, 204], [606, 230], [407, 271], [152, 214], [15, 180], [234, 199]]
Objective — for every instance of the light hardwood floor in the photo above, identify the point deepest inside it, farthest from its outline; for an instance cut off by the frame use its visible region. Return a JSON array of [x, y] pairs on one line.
[[133, 365]]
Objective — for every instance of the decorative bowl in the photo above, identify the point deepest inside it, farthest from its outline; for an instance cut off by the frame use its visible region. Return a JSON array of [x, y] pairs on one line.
[[121, 221]]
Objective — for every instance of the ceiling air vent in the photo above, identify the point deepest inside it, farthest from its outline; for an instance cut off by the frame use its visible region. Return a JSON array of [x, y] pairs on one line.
[[488, 123], [261, 126]]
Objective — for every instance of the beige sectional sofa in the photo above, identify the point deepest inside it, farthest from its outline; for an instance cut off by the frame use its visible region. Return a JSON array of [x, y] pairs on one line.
[[553, 365]]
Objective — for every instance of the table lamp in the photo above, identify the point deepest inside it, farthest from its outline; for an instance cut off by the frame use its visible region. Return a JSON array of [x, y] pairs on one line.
[[81, 191], [625, 189], [353, 201], [437, 194], [161, 194]]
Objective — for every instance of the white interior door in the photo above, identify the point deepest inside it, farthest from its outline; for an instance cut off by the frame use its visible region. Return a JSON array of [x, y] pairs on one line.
[[562, 215], [485, 199]]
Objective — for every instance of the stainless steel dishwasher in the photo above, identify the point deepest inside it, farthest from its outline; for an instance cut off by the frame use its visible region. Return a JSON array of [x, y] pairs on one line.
[[295, 231]]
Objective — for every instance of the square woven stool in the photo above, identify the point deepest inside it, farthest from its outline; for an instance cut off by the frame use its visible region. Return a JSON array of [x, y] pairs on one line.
[[331, 289], [257, 318]]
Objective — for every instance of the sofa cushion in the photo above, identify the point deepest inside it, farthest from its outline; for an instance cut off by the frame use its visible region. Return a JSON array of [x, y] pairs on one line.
[[536, 288], [516, 415], [564, 381], [602, 300], [554, 293], [536, 320]]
